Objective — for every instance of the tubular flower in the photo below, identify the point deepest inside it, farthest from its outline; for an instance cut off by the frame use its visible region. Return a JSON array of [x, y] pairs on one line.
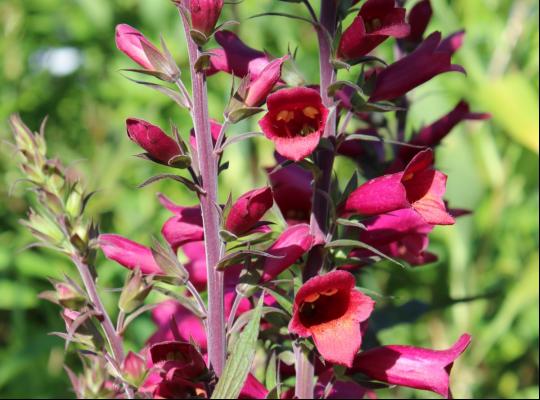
[[376, 21], [418, 19], [432, 135], [289, 247], [204, 15], [188, 325], [430, 59], [158, 145], [293, 193], [184, 227], [413, 367], [248, 210], [235, 57], [401, 234], [419, 187], [295, 121], [330, 309], [128, 253], [135, 45], [178, 371], [260, 87]]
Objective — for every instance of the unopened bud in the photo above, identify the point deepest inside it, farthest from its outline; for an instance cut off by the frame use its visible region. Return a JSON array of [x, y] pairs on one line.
[[134, 292]]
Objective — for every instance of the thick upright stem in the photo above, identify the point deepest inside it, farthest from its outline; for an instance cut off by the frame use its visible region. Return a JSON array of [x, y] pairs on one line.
[[115, 342], [324, 159], [305, 373], [209, 206]]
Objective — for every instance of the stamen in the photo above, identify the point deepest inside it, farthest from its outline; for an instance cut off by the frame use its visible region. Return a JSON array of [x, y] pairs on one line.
[[312, 298], [408, 177], [310, 112], [285, 115], [329, 292]]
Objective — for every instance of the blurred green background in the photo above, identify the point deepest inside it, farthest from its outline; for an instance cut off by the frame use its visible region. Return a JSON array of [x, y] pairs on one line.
[[58, 58]]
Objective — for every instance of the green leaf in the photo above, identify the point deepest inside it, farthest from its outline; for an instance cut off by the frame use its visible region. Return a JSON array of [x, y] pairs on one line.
[[362, 245], [283, 301], [240, 359]]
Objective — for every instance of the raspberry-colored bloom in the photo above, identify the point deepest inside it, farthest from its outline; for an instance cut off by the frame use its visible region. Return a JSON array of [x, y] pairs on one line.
[[130, 42], [340, 389], [401, 234], [178, 371], [452, 43], [330, 309], [128, 253], [427, 61], [186, 225], [295, 121], [260, 87], [204, 15], [409, 366], [293, 192], [419, 187], [432, 135], [248, 210], [290, 246], [235, 57], [418, 19], [188, 325], [376, 21], [158, 145], [253, 389]]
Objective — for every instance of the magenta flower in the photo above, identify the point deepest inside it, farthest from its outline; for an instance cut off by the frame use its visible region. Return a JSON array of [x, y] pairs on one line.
[[196, 265], [128, 253], [204, 15], [413, 367], [158, 145], [188, 325], [432, 135], [178, 371], [248, 210], [253, 389], [236, 57], [418, 19], [330, 309], [376, 21], [184, 227], [260, 87], [419, 187], [427, 61], [130, 42], [339, 389], [401, 234], [293, 192], [295, 121], [290, 246]]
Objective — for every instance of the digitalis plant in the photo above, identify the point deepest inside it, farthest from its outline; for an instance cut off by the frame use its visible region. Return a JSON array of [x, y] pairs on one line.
[[277, 270]]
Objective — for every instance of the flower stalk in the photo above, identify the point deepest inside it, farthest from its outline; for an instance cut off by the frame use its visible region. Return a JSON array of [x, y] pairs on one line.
[[208, 167], [324, 158]]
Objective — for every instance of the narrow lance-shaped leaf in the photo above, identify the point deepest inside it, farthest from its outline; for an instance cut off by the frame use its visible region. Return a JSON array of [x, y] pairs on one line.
[[241, 357]]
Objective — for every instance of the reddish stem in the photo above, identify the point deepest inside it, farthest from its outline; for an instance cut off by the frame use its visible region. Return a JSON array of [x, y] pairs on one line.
[[209, 206], [324, 159]]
